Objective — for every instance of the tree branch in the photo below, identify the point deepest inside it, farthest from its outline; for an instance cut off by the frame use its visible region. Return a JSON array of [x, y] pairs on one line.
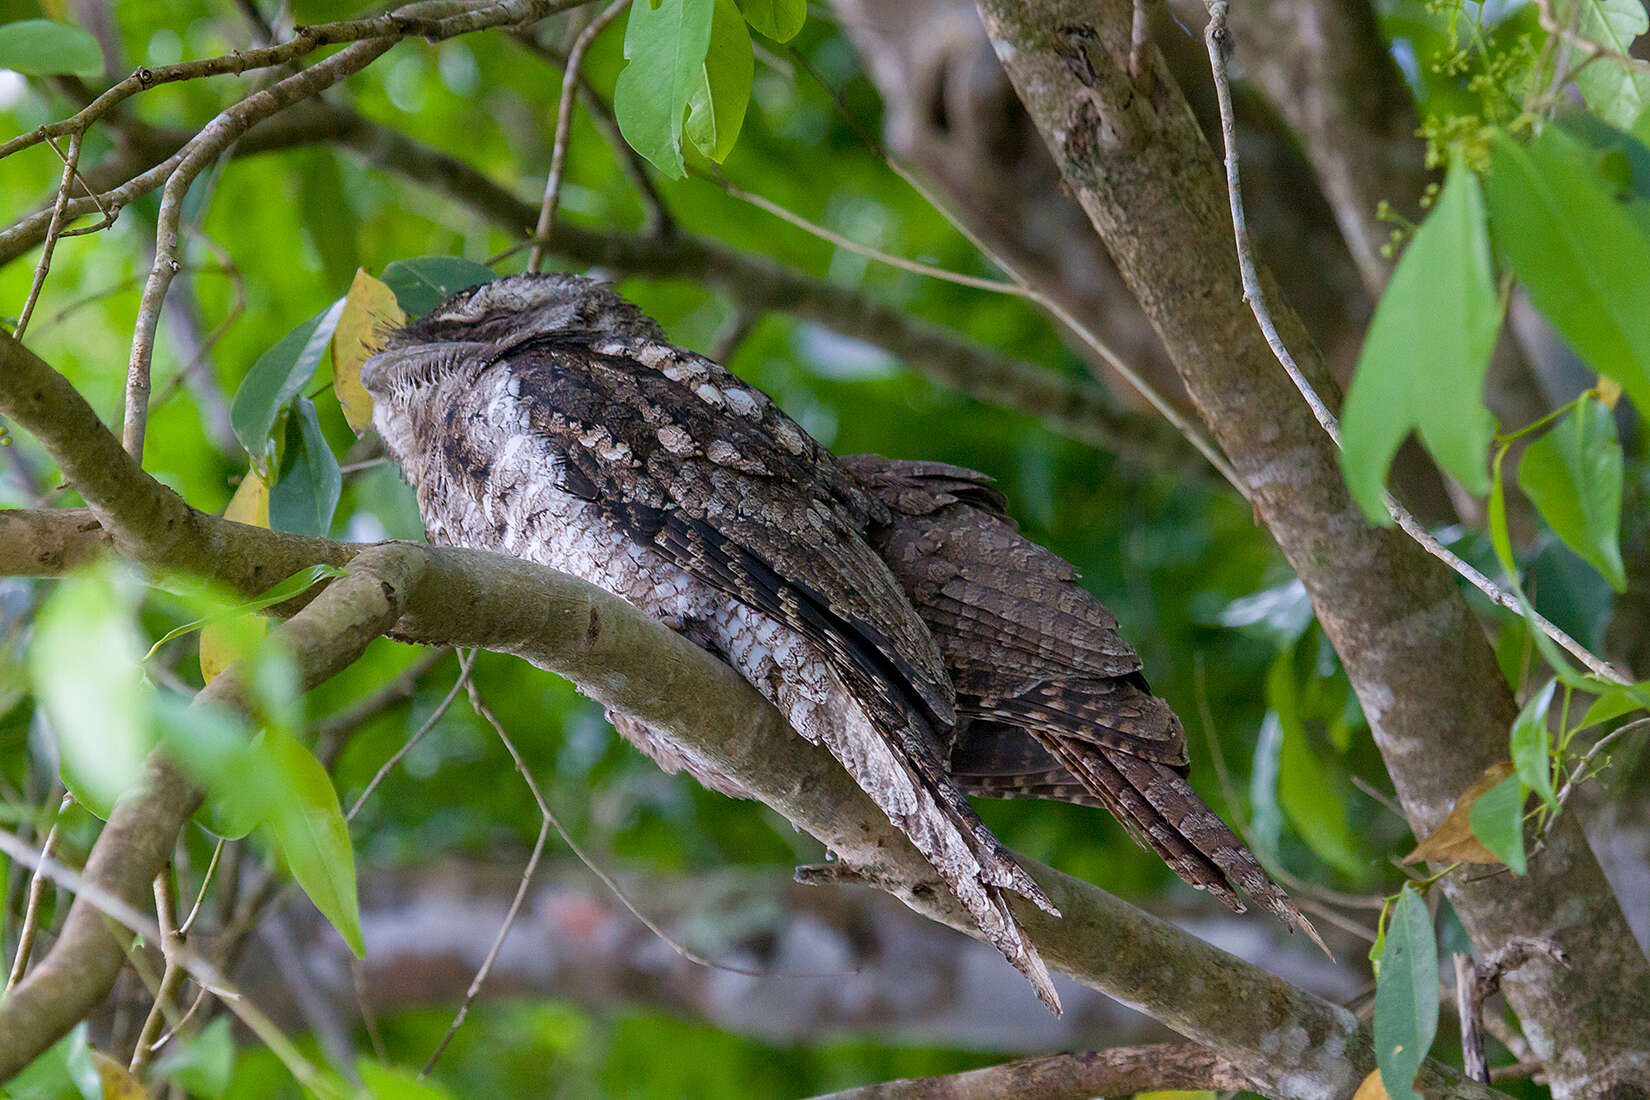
[[1118, 1071], [1436, 702]]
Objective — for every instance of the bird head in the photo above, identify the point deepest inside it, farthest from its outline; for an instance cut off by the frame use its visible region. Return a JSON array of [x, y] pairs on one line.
[[477, 327]]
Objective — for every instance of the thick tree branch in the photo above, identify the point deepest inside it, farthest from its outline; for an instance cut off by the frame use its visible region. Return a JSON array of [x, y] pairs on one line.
[[1289, 1042], [137, 842], [1436, 702], [1118, 1071]]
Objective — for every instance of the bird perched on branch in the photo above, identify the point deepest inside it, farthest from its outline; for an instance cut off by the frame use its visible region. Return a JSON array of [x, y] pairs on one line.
[[545, 417]]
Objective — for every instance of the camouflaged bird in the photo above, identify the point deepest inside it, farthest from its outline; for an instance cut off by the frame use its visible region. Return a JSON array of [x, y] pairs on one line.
[[545, 417], [1051, 700]]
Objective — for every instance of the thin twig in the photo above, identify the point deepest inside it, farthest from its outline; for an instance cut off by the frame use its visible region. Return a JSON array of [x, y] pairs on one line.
[[564, 128], [70, 162], [996, 286], [37, 895], [1386, 801], [1218, 39], [1134, 378], [432, 20], [331, 732], [606, 879], [206, 880], [1580, 772], [1205, 446], [464, 666], [656, 219], [171, 948], [1469, 1005], [546, 820], [212, 142]]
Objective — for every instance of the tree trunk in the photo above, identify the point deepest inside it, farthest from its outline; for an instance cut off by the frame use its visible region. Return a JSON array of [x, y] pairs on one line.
[[1437, 705]]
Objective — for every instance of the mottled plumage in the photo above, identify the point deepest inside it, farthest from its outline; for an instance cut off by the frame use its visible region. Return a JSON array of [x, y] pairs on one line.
[[545, 417], [1051, 702]]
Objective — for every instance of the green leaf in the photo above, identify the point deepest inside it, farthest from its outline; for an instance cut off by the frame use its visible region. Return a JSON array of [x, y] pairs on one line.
[[277, 377], [390, 1083], [778, 19], [1406, 995], [40, 47], [665, 45], [203, 1065], [215, 747], [423, 283], [65, 1070], [307, 827], [1620, 158], [1305, 790], [1619, 91], [1532, 744], [1427, 351], [1576, 249], [1616, 701], [220, 611], [85, 667], [306, 496], [1573, 477], [1497, 820], [716, 109]]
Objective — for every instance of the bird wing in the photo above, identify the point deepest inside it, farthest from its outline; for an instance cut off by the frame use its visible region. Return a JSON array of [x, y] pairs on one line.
[[1024, 642], [713, 476], [1051, 700], [684, 458]]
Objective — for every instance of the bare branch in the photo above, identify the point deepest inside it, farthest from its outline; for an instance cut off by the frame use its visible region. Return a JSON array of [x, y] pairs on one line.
[[431, 19], [1115, 1072], [37, 896], [570, 84], [71, 161], [212, 141]]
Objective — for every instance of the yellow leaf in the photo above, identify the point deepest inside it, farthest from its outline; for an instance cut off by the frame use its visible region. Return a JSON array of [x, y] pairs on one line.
[[118, 1084], [370, 310], [1608, 390], [1372, 1089], [1453, 841], [223, 643]]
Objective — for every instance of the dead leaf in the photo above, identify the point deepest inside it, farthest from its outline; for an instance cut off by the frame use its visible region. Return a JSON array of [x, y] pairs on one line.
[[370, 309], [249, 505], [1453, 841], [118, 1084], [1372, 1089]]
